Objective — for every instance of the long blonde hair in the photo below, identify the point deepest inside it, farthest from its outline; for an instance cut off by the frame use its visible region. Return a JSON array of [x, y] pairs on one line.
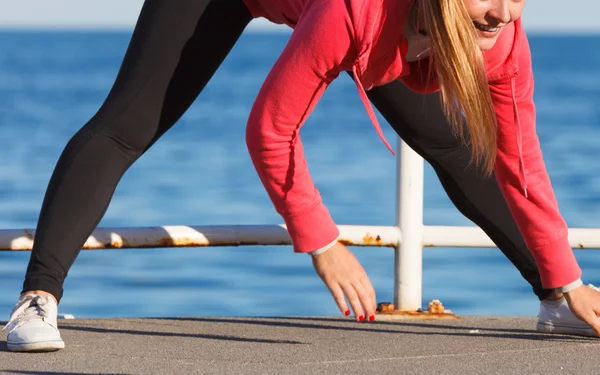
[[459, 65]]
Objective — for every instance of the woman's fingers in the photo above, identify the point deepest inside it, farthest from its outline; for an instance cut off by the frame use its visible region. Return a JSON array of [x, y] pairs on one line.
[[371, 294], [355, 301], [346, 279], [338, 296], [584, 302], [366, 300]]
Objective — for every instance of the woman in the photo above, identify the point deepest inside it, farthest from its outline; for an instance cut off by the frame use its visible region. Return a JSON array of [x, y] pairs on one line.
[[176, 48]]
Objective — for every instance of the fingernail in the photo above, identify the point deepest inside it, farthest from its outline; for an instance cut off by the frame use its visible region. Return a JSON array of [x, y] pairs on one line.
[[371, 318], [361, 318], [347, 313]]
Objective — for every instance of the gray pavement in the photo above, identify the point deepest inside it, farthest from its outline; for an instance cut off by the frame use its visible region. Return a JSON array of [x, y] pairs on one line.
[[308, 345]]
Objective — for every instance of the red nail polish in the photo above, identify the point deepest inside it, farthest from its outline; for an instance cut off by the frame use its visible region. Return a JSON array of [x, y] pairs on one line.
[[371, 318], [347, 313], [361, 318]]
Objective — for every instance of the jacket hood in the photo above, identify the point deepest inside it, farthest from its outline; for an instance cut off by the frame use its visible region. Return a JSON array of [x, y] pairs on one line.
[[381, 47], [379, 37]]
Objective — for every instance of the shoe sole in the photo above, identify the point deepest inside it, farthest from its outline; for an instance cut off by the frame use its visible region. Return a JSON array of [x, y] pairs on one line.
[[565, 329], [40, 346]]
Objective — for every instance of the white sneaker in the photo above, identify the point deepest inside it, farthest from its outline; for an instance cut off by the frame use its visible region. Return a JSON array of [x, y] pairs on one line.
[[32, 325], [556, 317]]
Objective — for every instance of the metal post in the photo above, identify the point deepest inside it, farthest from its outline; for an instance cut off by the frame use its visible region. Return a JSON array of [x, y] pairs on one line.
[[409, 218]]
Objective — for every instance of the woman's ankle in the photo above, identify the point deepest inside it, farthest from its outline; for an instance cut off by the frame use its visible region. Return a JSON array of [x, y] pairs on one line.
[[553, 296], [40, 293]]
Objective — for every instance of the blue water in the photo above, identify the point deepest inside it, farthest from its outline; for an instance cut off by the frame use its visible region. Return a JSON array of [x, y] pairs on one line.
[[200, 174]]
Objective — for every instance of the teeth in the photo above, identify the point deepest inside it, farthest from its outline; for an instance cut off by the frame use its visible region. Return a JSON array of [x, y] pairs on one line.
[[486, 28]]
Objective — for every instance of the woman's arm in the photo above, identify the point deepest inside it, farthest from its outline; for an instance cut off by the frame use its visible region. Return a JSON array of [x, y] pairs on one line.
[[318, 50], [524, 181]]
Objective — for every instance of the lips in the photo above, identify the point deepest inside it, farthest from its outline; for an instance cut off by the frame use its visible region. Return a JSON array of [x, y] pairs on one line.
[[486, 28]]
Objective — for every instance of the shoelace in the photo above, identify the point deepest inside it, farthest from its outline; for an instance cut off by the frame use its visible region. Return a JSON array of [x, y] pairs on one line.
[[33, 308]]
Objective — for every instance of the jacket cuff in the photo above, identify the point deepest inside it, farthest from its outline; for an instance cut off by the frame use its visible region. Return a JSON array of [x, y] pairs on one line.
[[311, 230], [569, 287], [324, 249], [556, 263]]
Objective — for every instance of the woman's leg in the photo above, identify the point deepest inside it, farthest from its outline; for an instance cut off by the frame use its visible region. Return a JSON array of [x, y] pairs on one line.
[[176, 47], [419, 120]]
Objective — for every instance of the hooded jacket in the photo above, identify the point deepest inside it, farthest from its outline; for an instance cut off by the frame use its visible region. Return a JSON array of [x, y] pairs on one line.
[[366, 37]]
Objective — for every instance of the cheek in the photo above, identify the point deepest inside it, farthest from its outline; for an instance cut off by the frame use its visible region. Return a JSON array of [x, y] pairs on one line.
[[517, 10], [476, 8]]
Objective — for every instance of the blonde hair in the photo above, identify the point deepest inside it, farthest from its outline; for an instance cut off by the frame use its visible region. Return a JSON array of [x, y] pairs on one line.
[[459, 65]]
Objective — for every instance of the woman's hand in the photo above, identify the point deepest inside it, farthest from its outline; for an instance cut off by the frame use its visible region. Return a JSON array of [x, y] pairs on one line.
[[584, 302], [344, 276]]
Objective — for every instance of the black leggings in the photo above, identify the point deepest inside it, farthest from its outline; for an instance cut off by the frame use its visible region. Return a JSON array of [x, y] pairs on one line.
[[175, 49]]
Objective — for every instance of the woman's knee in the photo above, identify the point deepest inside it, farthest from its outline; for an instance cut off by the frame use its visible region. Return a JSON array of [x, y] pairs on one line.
[[130, 132]]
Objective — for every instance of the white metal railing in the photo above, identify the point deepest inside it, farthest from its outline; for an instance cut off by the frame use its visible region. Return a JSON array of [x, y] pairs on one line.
[[408, 236]]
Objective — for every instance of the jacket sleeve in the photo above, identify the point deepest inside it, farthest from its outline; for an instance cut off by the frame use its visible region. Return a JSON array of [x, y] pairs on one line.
[[319, 49], [523, 178]]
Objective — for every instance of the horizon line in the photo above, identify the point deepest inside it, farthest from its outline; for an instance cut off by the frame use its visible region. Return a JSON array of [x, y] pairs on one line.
[[262, 28]]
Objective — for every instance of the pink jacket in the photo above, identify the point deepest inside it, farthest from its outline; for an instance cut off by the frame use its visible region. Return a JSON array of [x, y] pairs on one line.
[[366, 37]]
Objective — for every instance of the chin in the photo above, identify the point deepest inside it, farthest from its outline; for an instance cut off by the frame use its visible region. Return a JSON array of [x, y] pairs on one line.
[[486, 44]]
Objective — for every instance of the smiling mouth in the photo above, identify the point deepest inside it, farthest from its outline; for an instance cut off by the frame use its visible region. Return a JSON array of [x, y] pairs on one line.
[[486, 28]]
